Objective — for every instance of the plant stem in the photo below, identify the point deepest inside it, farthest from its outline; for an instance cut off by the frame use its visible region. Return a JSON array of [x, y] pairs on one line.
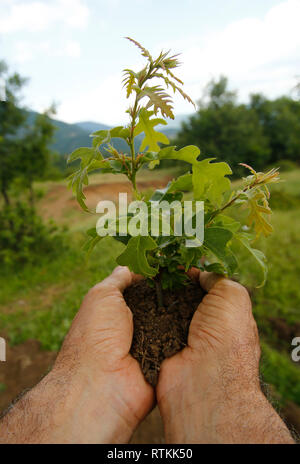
[[230, 203], [159, 290]]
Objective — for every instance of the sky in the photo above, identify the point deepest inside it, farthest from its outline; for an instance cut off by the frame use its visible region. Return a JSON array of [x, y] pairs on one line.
[[74, 51]]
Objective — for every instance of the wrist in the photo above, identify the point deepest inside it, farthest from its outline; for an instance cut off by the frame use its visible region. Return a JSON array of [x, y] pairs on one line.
[[90, 411], [67, 408], [198, 409], [208, 408]]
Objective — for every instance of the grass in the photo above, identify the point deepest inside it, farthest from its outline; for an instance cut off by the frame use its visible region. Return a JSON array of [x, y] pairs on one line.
[[52, 290], [49, 321], [2, 387]]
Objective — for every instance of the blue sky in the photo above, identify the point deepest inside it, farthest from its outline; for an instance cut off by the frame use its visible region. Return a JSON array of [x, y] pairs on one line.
[[73, 51]]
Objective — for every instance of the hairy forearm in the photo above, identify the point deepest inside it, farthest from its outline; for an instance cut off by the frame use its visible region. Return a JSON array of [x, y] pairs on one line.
[[217, 412], [59, 410]]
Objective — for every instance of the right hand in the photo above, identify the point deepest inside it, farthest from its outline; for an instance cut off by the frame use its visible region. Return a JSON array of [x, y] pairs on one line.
[[210, 391]]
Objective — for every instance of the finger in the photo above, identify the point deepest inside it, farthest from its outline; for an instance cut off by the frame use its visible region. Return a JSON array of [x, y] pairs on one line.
[[194, 274], [121, 278], [209, 279]]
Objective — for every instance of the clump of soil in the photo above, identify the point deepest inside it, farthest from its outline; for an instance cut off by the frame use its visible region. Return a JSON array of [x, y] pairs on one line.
[[160, 332]]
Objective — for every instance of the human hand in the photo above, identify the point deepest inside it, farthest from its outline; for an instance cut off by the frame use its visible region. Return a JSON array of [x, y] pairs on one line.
[[210, 391], [96, 392]]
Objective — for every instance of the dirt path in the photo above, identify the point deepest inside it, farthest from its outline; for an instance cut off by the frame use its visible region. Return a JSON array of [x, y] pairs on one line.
[[59, 202]]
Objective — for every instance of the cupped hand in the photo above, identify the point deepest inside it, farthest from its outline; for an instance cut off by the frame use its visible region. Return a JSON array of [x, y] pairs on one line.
[[210, 391], [95, 354]]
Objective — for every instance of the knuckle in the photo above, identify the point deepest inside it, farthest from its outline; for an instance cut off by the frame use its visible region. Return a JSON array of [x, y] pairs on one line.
[[234, 292]]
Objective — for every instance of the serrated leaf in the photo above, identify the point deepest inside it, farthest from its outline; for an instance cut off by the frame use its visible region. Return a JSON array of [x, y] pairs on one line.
[[188, 153], [159, 99], [85, 154], [144, 51], [256, 217], [152, 137], [129, 81], [104, 136], [209, 180], [134, 256]]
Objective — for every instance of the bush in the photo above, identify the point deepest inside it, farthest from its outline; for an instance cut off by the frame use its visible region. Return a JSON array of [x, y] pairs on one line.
[[24, 238], [285, 165], [280, 199]]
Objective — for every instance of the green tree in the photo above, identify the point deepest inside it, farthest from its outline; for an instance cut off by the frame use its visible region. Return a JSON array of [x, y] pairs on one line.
[[36, 155], [12, 119], [24, 151], [226, 130], [280, 122]]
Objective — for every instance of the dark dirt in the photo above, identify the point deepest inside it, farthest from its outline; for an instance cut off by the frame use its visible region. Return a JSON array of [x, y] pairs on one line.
[[25, 365], [160, 332]]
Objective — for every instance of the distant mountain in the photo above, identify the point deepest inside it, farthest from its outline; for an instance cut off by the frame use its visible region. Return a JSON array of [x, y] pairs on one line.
[[91, 126], [68, 137], [175, 124]]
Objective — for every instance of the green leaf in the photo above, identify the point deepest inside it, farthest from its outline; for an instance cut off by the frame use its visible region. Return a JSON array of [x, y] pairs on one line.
[[76, 181], [258, 218], [227, 223], [92, 241], [85, 154], [152, 137], [216, 239], [134, 256], [100, 137], [159, 99], [256, 256], [209, 180], [188, 154], [182, 183], [217, 268], [104, 136]]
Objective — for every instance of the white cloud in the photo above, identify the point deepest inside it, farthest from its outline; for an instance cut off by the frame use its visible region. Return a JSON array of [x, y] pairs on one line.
[[26, 51], [40, 15], [256, 54], [72, 49], [106, 103]]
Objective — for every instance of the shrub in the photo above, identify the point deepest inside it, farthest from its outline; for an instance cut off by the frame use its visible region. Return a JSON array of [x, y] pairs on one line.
[[24, 237]]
